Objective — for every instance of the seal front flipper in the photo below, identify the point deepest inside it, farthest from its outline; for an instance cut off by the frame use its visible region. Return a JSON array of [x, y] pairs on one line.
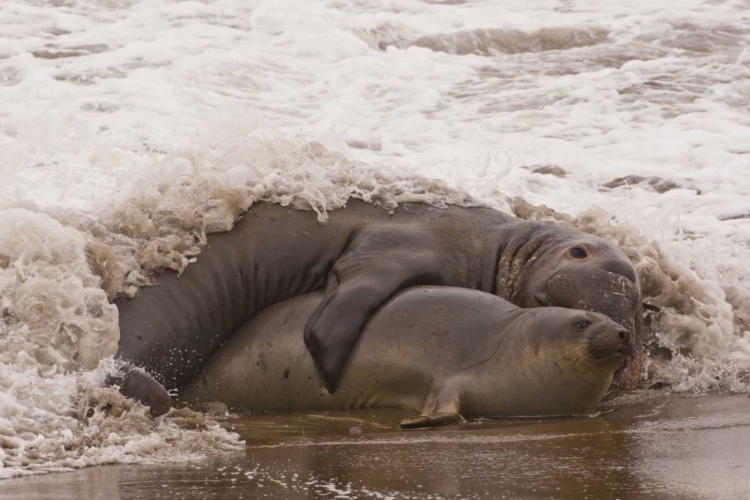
[[442, 408], [359, 283], [422, 421], [139, 385]]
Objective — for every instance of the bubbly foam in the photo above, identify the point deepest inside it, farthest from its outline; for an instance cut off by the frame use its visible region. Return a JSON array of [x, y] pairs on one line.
[[510, 41], [61, 266]]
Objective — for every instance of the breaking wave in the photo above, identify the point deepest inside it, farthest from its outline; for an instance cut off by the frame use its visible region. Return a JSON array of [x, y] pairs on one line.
[[489, 42], [60, 269]]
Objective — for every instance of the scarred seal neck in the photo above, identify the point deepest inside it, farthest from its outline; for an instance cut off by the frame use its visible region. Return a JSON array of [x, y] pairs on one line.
[[526, 243]]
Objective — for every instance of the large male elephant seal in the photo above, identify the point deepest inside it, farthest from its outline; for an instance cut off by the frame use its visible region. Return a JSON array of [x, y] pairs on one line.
[[361, 258], [442, 350]]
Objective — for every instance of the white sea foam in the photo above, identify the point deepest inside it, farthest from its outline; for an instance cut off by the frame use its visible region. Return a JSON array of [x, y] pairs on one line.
[[129, 129]]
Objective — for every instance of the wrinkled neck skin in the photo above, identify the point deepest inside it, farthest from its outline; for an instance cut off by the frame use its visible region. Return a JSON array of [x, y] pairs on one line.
[[527, 244]]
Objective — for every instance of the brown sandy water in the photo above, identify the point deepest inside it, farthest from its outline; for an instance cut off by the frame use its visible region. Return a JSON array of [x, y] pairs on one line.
[[645, 445]]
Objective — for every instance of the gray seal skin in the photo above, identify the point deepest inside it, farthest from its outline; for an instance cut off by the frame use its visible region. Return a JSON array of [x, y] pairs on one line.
[[445, 352], [361, 257], [134, 381]]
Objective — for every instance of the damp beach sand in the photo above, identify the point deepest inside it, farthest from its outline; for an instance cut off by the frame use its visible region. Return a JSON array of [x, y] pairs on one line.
[[645, 445]]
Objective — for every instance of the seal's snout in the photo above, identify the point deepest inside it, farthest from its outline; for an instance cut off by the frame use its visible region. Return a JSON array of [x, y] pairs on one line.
[[619, 268], [608, 340], [608, 288]]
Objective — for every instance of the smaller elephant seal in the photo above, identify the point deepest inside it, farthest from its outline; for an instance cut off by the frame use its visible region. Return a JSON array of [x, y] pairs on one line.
[[447, 352]]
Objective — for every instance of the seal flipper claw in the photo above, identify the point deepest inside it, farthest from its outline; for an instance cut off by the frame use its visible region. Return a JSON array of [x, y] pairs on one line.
[[421, 421], [139, 385], [442, 408]]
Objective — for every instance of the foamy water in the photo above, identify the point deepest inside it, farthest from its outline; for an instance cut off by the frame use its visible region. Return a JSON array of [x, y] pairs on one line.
[[129, 129]]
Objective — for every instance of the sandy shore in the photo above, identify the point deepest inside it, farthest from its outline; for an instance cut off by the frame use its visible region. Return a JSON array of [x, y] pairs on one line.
[[645, 445]]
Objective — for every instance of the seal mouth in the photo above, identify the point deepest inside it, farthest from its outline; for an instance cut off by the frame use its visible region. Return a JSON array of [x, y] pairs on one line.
[[625, 349], [610, 345], [616, 358], [623, 352]]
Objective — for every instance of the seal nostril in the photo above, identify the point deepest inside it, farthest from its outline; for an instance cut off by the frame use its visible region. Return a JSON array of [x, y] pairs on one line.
[[622, 334]]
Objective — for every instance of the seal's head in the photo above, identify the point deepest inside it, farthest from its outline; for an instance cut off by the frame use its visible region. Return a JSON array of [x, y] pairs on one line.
[[580, 351], [582, 338], [582, 271], [564, 363]]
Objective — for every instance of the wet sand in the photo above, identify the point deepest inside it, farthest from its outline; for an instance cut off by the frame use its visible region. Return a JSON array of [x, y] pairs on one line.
[[648, 445]]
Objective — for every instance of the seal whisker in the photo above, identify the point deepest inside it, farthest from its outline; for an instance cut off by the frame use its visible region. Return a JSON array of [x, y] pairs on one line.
[[575, 352]]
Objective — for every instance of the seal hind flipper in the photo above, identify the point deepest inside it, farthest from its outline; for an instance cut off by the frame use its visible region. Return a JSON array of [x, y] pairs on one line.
[[359, 284], [139, 385], [442, 408]]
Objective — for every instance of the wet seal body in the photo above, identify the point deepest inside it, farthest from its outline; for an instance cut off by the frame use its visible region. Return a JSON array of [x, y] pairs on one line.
[[443, 351], [360, 258], [137, 383]]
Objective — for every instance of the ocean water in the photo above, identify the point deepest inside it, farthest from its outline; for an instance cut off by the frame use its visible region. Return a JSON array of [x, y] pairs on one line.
[[130, 129]]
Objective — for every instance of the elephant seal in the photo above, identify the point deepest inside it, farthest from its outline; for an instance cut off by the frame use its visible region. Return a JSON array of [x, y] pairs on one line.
[[361, 257], [445, 351]]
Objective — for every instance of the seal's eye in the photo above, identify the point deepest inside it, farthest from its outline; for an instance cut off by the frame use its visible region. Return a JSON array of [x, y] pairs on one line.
[[578, 253], [581, 325]]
